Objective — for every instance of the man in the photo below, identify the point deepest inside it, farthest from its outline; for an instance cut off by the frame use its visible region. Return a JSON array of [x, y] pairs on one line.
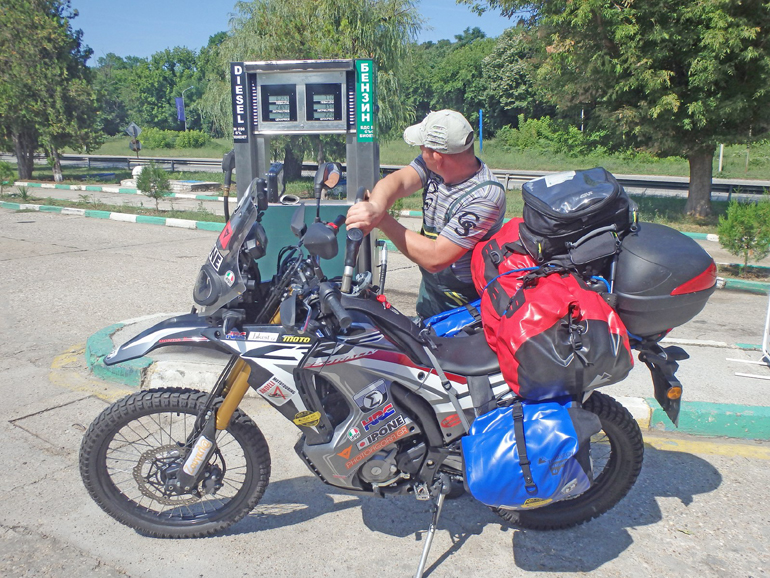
[[463, 204]]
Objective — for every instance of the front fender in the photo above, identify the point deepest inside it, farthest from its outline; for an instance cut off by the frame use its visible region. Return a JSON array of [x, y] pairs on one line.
[[181, 330]]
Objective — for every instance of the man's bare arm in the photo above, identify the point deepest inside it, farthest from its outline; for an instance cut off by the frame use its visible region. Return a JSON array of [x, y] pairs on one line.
[[368, 215], [431, 254]]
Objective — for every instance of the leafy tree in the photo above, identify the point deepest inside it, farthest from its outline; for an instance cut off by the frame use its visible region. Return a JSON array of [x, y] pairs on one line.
[[115, 94], [46, 98], [319, 29], [745, 230], [674, 78], [6, 174], [508, 73], [153, 181], [156, 83]]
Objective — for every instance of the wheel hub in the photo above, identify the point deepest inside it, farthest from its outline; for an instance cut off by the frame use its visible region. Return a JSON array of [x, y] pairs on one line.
[[155, 476]]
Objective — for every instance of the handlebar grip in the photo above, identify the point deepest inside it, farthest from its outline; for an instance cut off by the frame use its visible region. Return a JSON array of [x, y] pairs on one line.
[[353, 244], [360, 194], [330, 301]]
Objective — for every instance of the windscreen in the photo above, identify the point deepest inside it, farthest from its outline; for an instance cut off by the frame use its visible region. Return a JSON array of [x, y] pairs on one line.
[[219, 280]]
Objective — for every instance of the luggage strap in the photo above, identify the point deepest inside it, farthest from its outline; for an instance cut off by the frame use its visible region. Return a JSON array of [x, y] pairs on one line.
[[447, 385], [521, 447]]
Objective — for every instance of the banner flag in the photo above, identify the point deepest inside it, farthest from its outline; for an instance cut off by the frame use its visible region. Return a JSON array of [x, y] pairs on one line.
[[180, 108]]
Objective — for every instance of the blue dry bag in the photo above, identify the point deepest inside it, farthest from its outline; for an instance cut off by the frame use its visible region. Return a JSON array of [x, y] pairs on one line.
[[450, 323], [530, 454]]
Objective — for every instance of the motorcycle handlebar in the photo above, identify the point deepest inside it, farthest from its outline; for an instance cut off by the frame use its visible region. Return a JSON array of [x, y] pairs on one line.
[[330, 303], [336, 223]]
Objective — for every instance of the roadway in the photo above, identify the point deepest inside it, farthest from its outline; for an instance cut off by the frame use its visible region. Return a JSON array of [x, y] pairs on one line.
[[699, 507]]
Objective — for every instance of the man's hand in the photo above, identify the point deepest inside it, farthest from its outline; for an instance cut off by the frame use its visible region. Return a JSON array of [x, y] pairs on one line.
[[365, 215]]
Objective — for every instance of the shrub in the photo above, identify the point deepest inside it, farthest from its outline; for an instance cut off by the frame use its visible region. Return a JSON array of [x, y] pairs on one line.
[[153, 182], [192, 139], [745, 230], [547, 135], [159, 139]]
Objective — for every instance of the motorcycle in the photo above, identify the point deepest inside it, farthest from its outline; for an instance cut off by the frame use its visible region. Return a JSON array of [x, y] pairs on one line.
[[382, 403]]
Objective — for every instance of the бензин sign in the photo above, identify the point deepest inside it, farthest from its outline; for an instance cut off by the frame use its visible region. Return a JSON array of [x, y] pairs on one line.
[[366, 99]]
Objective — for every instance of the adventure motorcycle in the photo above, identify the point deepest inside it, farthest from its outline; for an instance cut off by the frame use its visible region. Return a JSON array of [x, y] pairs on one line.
[[382, 403]]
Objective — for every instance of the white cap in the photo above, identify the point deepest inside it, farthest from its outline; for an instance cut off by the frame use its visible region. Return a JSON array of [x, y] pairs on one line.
[[444, 131]]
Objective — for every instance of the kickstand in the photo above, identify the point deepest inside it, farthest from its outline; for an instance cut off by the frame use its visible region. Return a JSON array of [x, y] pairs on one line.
[[436, 509]]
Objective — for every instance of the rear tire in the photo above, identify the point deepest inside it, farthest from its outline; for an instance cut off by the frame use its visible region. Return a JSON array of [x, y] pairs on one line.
[[125, 451], [617, 453]]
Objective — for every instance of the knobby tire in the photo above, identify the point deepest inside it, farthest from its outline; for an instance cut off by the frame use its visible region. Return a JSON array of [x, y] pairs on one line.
[[120, 449], [626, 451]]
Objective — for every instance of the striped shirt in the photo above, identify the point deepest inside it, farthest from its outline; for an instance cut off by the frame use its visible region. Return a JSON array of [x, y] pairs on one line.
[[464, 220]]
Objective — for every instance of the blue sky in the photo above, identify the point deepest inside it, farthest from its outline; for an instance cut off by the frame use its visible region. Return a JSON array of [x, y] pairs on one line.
[[142, 27]]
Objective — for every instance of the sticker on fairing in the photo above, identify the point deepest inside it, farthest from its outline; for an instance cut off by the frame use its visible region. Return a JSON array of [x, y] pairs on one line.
[[229, 278], [307, 418], [262, 336], [277, 392], [373, 396]]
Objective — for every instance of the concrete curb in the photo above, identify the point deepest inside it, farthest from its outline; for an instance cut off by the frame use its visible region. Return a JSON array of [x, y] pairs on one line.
[[99, 345], [113, 189], [695, 418], [124, 217]]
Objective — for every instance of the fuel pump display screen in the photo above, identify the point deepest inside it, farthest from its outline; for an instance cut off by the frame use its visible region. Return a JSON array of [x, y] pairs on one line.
[[323, 102], [279, 103]]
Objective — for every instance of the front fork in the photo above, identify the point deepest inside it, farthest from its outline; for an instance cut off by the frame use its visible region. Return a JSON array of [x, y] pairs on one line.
[[233, 384]]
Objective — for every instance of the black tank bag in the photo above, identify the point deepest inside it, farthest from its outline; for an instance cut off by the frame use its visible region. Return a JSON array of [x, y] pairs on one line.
[[575, 218]]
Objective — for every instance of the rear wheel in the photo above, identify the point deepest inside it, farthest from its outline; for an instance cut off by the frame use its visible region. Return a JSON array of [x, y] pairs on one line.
[[130, 449], [616, 454]]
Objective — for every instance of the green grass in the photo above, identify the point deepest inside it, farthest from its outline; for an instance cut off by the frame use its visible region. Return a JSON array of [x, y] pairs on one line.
[[118, 146]]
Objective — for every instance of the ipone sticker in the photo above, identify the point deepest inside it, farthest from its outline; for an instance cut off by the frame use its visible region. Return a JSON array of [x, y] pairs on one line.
[[229, 278]]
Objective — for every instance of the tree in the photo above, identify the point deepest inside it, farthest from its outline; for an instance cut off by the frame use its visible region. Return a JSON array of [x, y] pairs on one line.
[[156, 83], [745, 230], [673, 78], [508, 74], [319, 29], [46, 98], [153, 181]]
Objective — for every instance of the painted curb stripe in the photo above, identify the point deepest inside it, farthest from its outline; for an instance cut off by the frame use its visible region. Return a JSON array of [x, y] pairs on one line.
[[716, 419], [149, 220], [181, 223], [98, 214], [208, 226], [750, 286], [123, 217], [99, 345]]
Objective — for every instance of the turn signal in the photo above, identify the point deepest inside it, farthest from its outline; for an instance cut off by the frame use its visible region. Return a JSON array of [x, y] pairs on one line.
[[674, 392]]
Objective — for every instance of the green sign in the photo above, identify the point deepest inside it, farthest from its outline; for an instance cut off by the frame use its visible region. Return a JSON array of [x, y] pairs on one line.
[[366, 101]]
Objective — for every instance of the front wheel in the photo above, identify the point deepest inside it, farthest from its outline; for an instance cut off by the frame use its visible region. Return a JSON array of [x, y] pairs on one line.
[[617, 452], [127, 451]]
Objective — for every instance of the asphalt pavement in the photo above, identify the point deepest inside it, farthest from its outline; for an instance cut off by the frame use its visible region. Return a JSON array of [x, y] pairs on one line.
[[699, 507]]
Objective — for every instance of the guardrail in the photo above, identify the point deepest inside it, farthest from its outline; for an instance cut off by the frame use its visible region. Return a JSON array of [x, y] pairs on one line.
[[509, 178]]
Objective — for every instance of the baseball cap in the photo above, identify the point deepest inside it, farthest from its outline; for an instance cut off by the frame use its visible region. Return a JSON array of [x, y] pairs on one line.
[[444, 131]]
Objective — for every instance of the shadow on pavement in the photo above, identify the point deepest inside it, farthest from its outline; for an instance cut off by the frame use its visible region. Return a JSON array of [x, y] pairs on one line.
[[581, 549], [585, 548]]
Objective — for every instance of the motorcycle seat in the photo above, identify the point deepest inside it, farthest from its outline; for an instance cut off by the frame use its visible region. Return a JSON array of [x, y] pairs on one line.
[[462, 355]]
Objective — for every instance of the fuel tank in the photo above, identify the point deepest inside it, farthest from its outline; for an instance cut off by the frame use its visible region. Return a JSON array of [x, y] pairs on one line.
[[662, 280]]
